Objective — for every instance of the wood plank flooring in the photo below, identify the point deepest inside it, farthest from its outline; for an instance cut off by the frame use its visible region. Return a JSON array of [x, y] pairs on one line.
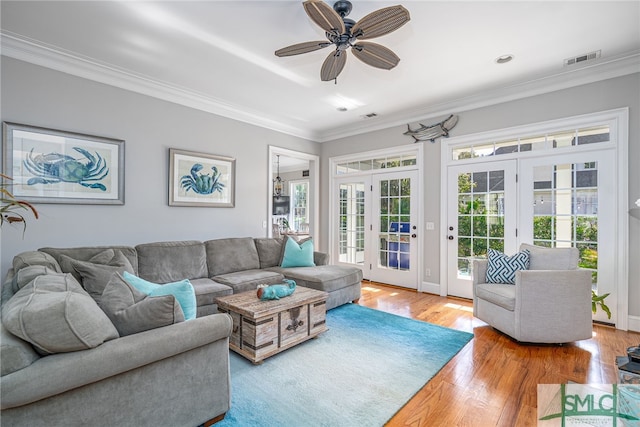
[[493, 380]]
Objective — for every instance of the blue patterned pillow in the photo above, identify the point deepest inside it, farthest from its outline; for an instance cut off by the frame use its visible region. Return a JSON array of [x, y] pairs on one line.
[[502, 268]]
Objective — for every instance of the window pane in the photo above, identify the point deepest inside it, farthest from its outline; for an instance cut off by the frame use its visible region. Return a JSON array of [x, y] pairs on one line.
[[593, 135]]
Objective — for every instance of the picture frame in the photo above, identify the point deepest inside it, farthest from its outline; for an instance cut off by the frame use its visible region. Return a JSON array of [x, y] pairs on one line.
[[55, 166], [201, 180]]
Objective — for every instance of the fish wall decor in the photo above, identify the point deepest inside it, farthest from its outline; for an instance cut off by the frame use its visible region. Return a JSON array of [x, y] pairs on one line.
[[424, 133]]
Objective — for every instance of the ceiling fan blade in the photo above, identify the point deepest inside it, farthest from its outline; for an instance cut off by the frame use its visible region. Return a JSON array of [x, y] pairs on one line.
[[381, 22], [375, 55], [333, 65], [297, 49], [324, 16]]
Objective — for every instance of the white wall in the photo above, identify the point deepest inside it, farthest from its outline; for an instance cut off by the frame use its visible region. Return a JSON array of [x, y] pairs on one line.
[[38, 96], [605, 95]]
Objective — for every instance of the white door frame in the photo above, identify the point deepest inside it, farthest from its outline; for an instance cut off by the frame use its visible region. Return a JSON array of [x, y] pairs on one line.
[[314, 186], [618, 120]]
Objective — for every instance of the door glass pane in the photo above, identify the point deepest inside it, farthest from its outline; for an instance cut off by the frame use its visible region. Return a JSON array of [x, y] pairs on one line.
[[351, 228], [299, 190], [480, 216], [566, 209], [395, 234]]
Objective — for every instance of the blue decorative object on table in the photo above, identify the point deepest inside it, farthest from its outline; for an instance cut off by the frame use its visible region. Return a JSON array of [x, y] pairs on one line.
[[277, 291]]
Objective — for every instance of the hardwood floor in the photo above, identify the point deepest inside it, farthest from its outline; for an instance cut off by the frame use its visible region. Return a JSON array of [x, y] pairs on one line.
[[493, 380]]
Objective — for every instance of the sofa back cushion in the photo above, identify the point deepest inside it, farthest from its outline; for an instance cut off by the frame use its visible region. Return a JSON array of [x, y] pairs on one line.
[[56, 315], [231, 255], [88, 252], [541, 258], [269, 251], [164, 262]]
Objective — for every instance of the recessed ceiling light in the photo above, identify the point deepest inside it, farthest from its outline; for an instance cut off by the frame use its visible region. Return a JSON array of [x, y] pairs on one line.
[[342, 109], [504, 59]]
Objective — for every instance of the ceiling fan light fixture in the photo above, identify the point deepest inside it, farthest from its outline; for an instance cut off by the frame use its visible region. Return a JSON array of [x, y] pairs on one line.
[[346, 34], [503, 59]]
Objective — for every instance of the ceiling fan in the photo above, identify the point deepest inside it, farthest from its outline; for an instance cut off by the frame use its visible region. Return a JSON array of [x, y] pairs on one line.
[[346, 33]]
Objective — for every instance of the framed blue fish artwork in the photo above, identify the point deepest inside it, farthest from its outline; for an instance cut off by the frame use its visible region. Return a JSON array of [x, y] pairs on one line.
[[54, 166], [202, 180]]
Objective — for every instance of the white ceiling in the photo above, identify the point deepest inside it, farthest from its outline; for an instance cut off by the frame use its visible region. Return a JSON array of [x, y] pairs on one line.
[[218, 55]]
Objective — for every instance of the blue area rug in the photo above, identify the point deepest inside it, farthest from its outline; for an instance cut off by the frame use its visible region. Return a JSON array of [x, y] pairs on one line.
[[358, 373]]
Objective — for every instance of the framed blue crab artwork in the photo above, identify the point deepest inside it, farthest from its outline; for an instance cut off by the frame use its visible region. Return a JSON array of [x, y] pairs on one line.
[[198, 179], [54, 166]]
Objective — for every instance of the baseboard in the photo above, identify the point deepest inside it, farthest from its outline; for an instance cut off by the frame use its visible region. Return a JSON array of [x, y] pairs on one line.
[[634, 323], [430, 288]]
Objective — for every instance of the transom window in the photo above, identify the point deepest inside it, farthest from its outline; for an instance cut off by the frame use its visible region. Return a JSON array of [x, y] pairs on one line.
[[548, 141]]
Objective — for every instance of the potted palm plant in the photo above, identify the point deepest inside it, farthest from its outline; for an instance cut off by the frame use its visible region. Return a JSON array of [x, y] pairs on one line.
[[11, 209], [598, 300]]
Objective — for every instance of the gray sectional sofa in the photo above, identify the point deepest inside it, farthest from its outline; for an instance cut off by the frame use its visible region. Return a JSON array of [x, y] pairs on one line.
[[176, 374]]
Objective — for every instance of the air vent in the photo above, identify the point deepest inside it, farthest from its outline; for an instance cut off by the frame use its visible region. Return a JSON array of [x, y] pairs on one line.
[[369, 116], [582, 58]]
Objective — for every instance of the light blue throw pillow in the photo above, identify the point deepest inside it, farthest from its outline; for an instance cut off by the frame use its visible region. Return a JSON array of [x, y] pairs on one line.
[[182, 291], [502, 268], [298, 254]]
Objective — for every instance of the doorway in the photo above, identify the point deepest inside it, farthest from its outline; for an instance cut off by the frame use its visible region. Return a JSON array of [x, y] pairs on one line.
[[299, 173]]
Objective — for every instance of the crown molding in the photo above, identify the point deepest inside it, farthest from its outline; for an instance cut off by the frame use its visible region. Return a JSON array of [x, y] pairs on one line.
[[607, 68], [36, 52]]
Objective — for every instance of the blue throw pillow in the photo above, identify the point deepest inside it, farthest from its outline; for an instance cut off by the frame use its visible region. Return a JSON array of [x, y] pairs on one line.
[[182, 291], [298, 254], [502, 268]]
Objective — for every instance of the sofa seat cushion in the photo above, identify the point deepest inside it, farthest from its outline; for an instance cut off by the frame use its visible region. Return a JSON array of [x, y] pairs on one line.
[[164, 262], [326, 278], [231, 255], [503, 295], [56, 315], [207, 291], [249, 280]]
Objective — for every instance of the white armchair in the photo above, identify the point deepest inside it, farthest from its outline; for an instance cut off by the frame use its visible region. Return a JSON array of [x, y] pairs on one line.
[[549, 303]]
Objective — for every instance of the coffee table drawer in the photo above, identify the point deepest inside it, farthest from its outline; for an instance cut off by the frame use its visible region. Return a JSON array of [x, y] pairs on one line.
[[294, 325]]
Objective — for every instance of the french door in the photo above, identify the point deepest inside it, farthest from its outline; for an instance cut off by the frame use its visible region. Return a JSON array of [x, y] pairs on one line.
[[481, 210], [378, 226], [564, 200]]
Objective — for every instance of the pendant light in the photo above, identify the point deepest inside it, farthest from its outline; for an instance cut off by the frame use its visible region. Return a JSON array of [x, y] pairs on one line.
[[278, 183]]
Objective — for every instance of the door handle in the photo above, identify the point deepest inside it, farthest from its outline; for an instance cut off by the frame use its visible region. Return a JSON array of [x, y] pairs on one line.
[[450, 237], [414, 235]]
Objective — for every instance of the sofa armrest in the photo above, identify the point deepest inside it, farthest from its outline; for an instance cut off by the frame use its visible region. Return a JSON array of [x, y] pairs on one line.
[[58, 373], [320, 258]]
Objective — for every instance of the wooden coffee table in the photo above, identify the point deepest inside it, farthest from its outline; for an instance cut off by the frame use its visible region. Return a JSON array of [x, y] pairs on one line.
[[264, 328]]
